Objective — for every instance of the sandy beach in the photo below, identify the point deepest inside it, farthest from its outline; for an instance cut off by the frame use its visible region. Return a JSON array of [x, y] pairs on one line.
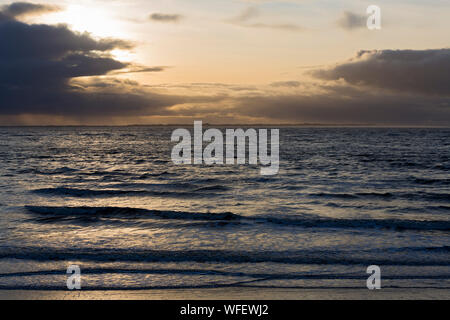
[[231, 294]]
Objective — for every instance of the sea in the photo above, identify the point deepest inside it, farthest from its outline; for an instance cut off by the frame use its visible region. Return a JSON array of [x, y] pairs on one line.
[[111, 201]]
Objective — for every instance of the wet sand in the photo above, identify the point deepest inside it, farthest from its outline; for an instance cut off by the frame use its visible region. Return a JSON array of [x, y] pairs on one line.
[[230, 294]]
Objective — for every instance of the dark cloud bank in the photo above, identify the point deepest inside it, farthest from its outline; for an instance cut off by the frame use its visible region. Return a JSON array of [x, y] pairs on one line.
[[342, 105], [38, 61], [375, 87], [420, 71], [381, 86], [40, 65]]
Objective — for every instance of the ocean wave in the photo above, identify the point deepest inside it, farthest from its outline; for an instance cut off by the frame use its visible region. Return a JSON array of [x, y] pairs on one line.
[[129, 213], [319, 257], [428, 181], [243, 284], [352, 195], [169, 185], [155, 186], [155, 174], [213, 188], [106, 173], [416, 196], [425, 209], [214, 272], [305, 221], [56, 171], [88, 193], [429, 196], [213, 279], [394, 224]]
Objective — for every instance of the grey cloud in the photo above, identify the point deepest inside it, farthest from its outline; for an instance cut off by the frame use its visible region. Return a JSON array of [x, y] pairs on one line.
[[39, 73], [134, 68], [42, 54], [351, 21], [285, 26], [252, 12], [20, 9], [247, 14], [20, 40], [289, 84], [94, 99], [417, 71], [348, 106], [40, 66], [84, 103], [163, 17], [326, 103], [150, 69]]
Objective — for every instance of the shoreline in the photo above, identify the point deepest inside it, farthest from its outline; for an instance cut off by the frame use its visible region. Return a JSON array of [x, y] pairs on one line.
[[232, 294]]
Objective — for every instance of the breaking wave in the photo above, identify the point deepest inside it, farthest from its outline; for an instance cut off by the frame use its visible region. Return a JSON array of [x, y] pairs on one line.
[[403, 257], [301, 221], [86, 193]]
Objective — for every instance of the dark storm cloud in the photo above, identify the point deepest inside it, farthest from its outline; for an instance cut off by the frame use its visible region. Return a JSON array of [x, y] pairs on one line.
[[350, 21], [135, 68], [344, 105], [163, 17], [94, 99], [19, 40], [20, 9], [149, 69], [415, 71], [43, 55], [380, 87], [84, 103], [39, 64]]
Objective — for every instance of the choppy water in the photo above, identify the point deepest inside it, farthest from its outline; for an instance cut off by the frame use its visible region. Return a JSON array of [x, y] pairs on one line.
[[111, 201]]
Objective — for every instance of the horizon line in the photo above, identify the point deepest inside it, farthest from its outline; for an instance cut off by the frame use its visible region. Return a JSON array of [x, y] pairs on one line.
[[241, 125]]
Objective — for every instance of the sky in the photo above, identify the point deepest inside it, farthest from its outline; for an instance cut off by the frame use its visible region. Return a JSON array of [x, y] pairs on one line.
[[121, 62]]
